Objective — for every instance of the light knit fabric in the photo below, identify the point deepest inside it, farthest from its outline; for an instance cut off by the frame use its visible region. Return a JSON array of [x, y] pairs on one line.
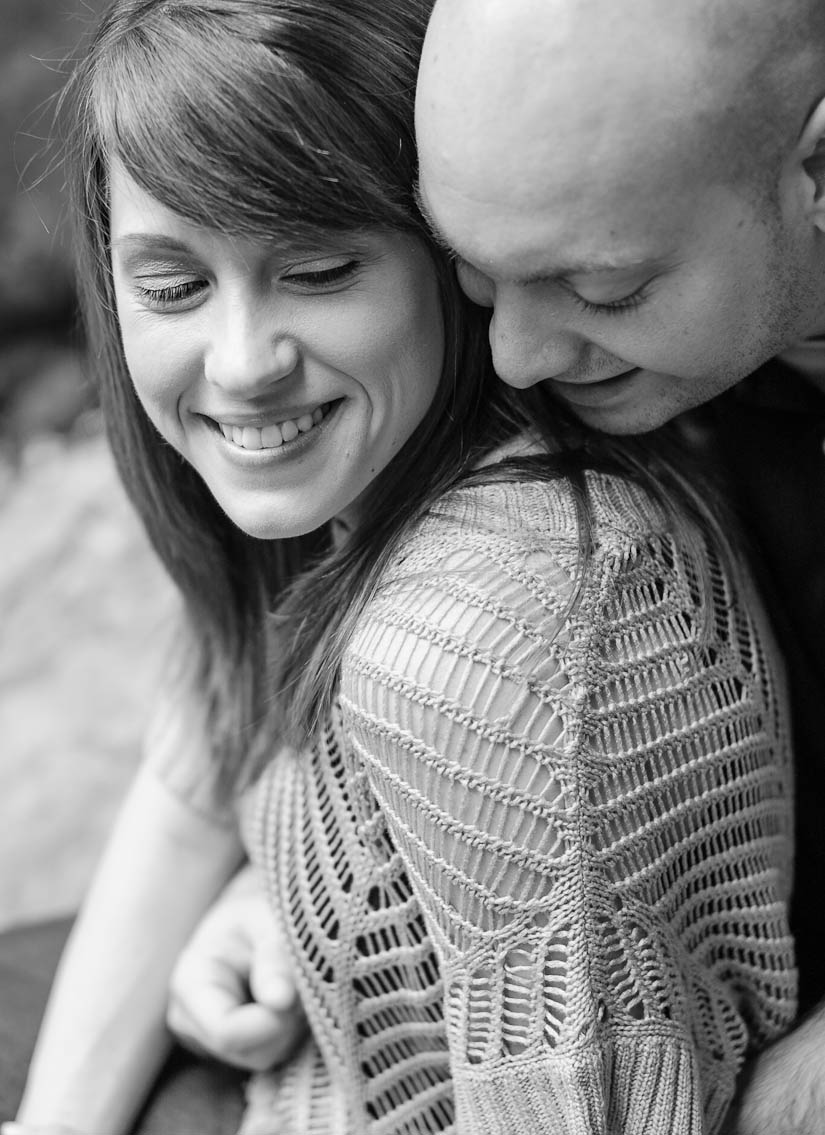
[[534, 876]]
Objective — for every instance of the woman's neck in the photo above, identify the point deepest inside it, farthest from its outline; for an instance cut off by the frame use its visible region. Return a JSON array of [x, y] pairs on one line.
[[341, 527]]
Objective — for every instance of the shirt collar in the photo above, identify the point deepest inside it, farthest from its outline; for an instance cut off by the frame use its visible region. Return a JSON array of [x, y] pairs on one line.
[[793, 382], [807, 356]]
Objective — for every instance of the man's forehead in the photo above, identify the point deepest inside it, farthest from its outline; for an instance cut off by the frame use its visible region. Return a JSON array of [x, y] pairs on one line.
[[551, 109], [584, 232], [609, 38]]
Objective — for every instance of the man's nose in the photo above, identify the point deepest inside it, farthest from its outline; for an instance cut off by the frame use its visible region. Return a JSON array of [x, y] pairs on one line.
[[248, 351], [529, 341]]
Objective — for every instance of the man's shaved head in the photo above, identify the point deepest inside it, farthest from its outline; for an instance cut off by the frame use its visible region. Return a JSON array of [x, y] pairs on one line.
[[725, 80], [557, 134]]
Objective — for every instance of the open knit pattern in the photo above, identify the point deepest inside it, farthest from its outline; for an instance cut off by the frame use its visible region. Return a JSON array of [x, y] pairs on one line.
[[534, 876]]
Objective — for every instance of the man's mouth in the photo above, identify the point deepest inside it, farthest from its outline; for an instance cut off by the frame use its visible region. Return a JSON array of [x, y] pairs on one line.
[[596, 392], [589, 383]]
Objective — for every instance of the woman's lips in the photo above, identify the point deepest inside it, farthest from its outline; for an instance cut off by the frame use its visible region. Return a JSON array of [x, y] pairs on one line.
[[272, 436], [258, 446]]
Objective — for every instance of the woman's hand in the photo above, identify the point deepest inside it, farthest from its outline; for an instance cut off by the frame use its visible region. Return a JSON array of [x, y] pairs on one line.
[[232, 996]]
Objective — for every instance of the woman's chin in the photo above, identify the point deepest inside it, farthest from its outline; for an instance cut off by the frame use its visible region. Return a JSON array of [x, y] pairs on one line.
[[278, 528]]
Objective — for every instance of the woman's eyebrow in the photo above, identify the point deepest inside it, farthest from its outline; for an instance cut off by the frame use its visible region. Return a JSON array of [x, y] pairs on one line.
[[135, 243]]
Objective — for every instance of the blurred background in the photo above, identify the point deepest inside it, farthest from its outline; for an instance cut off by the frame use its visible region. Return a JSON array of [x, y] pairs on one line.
[[84, 607]]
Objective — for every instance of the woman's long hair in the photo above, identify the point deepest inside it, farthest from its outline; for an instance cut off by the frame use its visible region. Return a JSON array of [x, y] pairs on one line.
[[258, 118], [264, 118]]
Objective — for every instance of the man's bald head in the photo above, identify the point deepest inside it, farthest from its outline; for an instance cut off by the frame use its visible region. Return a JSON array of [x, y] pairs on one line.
[[635, 188], [724, 82]]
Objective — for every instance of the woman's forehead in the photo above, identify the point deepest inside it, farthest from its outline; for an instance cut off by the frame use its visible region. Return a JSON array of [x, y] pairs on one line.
[[140, 223]]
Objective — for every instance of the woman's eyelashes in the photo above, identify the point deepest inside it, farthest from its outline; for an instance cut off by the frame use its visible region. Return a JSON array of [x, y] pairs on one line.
[[323, 276], [183, 294], [170, 295]]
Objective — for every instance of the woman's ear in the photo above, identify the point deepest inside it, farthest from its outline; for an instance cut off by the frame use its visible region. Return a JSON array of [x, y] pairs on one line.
[[811, 147]]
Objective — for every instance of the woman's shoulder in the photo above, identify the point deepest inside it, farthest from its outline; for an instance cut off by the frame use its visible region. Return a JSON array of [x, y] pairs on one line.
[[531, 559], [542, 559], [615, 515]]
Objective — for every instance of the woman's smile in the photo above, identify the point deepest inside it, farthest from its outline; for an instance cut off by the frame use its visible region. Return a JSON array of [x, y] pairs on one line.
[[288, 376], [252, 444], [270, 436]]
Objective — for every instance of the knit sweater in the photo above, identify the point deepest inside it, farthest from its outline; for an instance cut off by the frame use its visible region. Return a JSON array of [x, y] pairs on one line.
[[534, 876]]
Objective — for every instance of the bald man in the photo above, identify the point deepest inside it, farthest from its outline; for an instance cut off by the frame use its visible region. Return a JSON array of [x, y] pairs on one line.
[[637, 190], [633, 188]]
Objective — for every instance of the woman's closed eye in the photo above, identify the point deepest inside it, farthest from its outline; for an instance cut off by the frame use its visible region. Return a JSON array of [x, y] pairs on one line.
[[179, 294], [184, 293], [320, 275]]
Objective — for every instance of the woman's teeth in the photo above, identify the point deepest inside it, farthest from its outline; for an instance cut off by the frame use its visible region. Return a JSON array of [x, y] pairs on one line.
[[272, 437]]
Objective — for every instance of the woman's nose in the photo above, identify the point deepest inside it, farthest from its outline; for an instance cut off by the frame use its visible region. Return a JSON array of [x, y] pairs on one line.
[[248, 352]]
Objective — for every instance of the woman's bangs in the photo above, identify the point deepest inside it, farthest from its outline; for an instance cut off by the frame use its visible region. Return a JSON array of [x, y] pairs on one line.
[[241, 140]]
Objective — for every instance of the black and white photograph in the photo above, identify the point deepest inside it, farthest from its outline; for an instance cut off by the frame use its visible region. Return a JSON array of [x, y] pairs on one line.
[[412, 567]]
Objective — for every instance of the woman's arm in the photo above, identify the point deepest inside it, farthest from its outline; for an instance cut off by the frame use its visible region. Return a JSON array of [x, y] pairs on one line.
[[103, 1038]]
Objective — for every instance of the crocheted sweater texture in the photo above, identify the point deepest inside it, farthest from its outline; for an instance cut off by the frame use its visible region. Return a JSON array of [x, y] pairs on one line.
[[534, 876]]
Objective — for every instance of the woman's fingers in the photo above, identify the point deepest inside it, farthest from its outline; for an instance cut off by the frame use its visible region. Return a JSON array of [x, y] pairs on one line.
[[232, 996], [270, 979]]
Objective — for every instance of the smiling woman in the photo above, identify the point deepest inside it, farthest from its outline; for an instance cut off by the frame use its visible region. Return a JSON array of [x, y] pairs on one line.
[[488, 697], [290, 377]]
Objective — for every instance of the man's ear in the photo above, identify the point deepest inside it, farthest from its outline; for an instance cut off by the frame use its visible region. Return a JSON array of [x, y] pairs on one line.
[[811, 147]]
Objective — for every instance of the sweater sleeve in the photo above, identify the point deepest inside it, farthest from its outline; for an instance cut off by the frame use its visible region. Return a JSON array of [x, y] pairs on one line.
[[588, 785], [177, 750]]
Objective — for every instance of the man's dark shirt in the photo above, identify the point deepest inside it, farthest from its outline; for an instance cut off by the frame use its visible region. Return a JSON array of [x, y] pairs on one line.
[[768, 434]]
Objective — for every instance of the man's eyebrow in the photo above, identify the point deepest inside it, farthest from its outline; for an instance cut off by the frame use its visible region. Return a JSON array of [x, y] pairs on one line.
[[435, 232], [585, 267], [555, 272]]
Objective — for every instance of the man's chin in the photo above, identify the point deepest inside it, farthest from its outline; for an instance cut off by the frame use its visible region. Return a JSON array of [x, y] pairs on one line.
[[633, 403], [625, 420]]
